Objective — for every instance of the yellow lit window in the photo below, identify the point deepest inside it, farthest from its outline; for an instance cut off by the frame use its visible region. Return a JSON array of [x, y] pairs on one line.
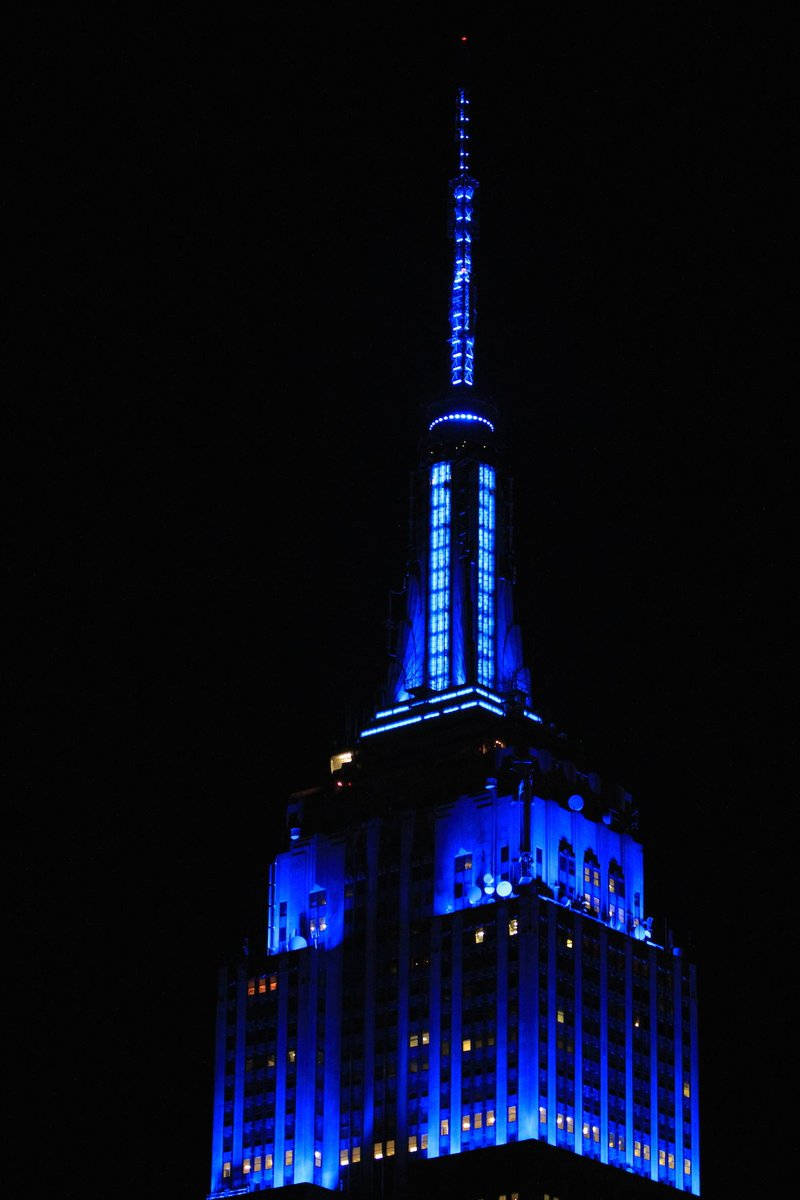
[[273, 983], [671, 1161], [413, 1040], [646, 1151], [513, 927], [596, 878], [490, 1116], [267, 1162], [412, 1143], [226, 1170], [570, 1124], [512, 1113], [257, 1163], [251, 987], [637, 1149], [390, 1148], [466, 1122], [586, 875], [466, 1044], [687, 1089], [560, 1016], [479, 935], [270, 1060], [478, 1120], [356, 1154], [596, 1132], [687, 1166], [569, 943], [292, 1056], [288, 1158], [378, 1150], [621, 1142], [444, 1127], [262, 984], [612, 884], [542, 1115], [426, 1037], [662, 1158], [611, 1140], [423, 1142], [585, 1130], [344, 1157]]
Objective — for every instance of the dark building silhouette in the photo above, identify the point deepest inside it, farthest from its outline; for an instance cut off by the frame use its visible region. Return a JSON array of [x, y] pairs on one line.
[[459, 990]]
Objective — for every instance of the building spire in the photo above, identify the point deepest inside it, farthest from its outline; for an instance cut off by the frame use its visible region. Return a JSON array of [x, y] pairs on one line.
[[463, 232]]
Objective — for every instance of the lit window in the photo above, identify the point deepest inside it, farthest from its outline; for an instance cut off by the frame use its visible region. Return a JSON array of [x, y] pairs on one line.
[[671, 1161], [444, 1127], [611, 1140], [542, 1115], [288, 1158], [262, 984], [490, 1116], [257, 1163], [596, 1132], [586, 874], [412, 1143], [344, 1157], [512, 1113], [426, 1037], [226, 1170], [356, 1154], [378, 1150], [687, 1090], [662, 1158], [267, 1162], [596, 878], [560, 1120], [646, 1151], [317, 1158], [466, 1123], [513, 927], [569, 943], [570, 1124], [466, 1044], [687, 1166], [413, 1040], [612, 884], [273, 983], [637, 1149], [423, 1142], [478, 1120], [479, 935], [390, 1148], [251, 987], [560, 1016], [270, 1060], [585, 1130], [292, 1056]]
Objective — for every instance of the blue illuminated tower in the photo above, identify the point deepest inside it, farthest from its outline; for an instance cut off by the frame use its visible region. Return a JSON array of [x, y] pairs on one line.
[[459, 990]]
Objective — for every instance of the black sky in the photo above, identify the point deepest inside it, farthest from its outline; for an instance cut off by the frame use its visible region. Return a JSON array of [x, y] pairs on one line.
[[250, 216]]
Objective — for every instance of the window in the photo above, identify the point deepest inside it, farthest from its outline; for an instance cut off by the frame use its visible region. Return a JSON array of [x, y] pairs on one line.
[[413, 1040], [292, 1056], [262, 984], [444, 1127], [512, 1113], [662, 1158], [466, 1044], [267, 1162], [423, 1142], [246, 1166], [646, 1151], [559, 1120], [251, 987], [273, 983], [378, 1150], [356, 1155], [466, 1122], [412, 1143], [425, 1037], [344, 1157], [570, 1124], [479, 934], [462, 876], [513, 927], [671, 1161], [687, 1166], [591, 882], [390, 1148], [317, 1158], [226, 1170], [560, 1016], [288, 1158], [596, 1133], [478, 1122], [542, 1115], [257, 1163], [637, 1149], [566, 865], [687, 1088]]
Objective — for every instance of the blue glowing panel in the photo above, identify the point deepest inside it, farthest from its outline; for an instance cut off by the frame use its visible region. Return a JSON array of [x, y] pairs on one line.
[[439, 579], [461, 416], [486, 563], [462, 338]]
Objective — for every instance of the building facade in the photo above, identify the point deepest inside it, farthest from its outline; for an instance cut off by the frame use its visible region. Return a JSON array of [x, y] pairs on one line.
[[459, 991]]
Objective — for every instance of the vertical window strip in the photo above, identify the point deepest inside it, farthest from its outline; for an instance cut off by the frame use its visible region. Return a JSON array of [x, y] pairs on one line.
[[486, 574], [439, 578]]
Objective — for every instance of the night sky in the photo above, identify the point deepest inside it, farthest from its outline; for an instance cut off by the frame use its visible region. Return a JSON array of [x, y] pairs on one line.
[[250, 213]]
